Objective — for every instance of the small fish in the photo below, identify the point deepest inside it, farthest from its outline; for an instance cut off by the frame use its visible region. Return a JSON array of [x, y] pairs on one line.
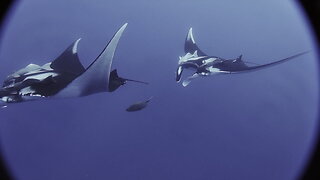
[[138, 105]]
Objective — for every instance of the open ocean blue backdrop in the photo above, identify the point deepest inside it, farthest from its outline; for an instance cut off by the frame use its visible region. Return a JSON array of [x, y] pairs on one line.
[[258, 125]]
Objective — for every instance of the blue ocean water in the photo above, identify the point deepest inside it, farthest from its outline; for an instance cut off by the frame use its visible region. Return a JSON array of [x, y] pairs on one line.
[[258, 125]]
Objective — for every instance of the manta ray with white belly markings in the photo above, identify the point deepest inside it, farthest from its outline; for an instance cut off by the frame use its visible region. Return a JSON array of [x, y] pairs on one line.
[[205, 65], [65, 76]]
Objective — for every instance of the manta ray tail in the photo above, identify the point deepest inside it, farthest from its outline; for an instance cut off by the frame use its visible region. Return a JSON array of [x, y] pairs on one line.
[[276, 62], [96, 77], [142, 82], [190, 45], [115, 81], [115, 77]]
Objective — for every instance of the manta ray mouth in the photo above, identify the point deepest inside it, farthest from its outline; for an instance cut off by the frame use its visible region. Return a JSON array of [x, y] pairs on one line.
[[20, 98], [33, 95], [29, 92]]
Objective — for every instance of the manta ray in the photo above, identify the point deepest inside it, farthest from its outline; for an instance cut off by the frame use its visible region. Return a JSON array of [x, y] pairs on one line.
[[65, 76], [205, 65]]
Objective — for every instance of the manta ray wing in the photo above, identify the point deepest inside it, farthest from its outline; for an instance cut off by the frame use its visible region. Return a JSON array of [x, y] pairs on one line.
[[69, 61], [96, 77], [190, 45]]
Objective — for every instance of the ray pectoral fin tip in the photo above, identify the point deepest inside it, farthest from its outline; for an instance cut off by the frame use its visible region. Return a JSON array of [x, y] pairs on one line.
[[75, 46], [124, 25]]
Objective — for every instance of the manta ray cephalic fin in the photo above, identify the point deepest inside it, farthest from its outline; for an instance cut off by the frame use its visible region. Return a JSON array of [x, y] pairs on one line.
[[187, 81], [96, 77]]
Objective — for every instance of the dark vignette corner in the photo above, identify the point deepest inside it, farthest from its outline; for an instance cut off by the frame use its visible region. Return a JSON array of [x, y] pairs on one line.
[[4, 8], [312, 10]]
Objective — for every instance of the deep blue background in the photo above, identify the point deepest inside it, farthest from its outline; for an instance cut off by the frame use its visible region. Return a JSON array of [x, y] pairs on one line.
[[257, 125]]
